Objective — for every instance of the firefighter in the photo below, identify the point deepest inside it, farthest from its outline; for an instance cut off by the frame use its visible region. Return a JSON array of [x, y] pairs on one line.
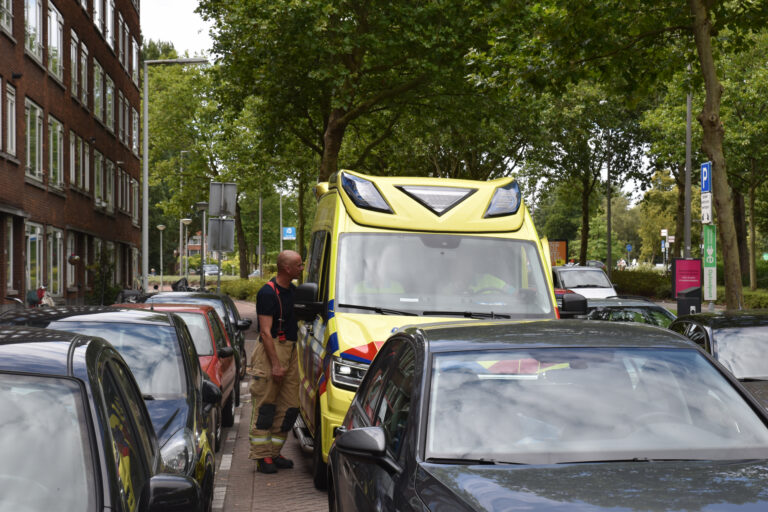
[[275, 376]]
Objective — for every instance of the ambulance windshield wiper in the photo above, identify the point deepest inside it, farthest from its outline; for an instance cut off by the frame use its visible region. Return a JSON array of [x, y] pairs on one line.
[[381, 311], [467, 314]]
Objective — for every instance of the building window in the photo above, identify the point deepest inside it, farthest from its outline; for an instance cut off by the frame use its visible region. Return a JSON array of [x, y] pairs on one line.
[[10, 116], [98, 15], [74, 158], [127, 46], [135, 211], [110, 257], [34, 243], [71, 251], [56, 148], [33, 27], [74, 57], [55, 40], [84, 3], [120, 49], [34, 126], [135, 62], [109, 184], [55, 244], [84, 75], [6, 15], [120, 117], [8, 252], [135, 137], [98, 178], [86, 166], [109, 22], [98, 91], [109, 104]]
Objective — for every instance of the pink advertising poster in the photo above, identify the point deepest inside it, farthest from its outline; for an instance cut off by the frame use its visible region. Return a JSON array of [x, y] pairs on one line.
[[686, 273]]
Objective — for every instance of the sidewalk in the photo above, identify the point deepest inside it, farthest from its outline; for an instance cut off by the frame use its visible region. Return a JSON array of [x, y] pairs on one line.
[[238, 486]]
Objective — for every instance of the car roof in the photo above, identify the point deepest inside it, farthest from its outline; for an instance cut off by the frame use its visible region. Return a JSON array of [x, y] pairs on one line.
[[621, 302], [579, 268], [447, 337], [729, 318], [170, 306], [44, 351], [84, 314], [203, 295]]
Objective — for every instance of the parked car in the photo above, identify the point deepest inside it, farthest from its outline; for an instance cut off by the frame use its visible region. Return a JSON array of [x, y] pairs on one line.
[[548, 415], [596, 263], [160, 353], [226, 309], [76, 434], [591, 282], [211, 270], [632, 309], [737, 339], [215, 353]]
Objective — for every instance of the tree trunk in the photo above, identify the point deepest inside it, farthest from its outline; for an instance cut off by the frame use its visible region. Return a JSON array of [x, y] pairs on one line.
[[740, 219], [752, 255], [585, 192], [332, 139], [242, 246], [712, 146]]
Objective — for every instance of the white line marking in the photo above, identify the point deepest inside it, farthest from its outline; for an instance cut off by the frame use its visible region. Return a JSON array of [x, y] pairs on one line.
[[237, 419], [226, 464], [219, 493]]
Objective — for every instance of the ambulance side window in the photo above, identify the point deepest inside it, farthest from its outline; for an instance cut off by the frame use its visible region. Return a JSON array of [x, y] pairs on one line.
[[316, 250], [326, 268]]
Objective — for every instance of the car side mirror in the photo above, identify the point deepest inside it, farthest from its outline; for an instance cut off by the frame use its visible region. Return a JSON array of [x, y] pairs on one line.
[[225, 352], [171, 493], [367, 444], [306, 306], [243, 325], [211, 392], [574, 304]]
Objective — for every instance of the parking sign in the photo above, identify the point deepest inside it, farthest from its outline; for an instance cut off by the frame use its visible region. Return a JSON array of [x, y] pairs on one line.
[[706, 177]]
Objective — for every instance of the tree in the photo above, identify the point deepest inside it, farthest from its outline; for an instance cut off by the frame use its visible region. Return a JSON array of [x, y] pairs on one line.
[[632, 48], [321, 66], [658, 212]]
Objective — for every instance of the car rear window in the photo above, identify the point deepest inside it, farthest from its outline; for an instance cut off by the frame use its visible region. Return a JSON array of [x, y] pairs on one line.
[[198, 329], [44, 445]]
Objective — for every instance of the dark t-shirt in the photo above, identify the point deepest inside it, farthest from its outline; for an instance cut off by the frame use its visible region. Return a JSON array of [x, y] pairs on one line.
[[267, 304]]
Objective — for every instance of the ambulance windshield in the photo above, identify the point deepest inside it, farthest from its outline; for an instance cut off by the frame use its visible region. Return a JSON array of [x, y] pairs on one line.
[[441, 275]]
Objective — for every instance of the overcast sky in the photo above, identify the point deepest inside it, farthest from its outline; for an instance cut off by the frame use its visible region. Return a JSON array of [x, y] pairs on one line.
[[177, 22]]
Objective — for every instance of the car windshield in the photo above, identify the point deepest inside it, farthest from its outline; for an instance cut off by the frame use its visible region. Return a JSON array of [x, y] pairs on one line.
[[742, 350], [648, 315], [441, 275], [44, 444], [583, 278], [151, 351], [555, 405], [201, 335]]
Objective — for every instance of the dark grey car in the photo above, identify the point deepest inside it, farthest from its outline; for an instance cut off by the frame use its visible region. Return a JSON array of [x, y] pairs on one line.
[[548, 415]]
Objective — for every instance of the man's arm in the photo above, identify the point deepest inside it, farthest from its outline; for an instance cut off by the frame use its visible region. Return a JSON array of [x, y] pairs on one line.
[[265, 331]]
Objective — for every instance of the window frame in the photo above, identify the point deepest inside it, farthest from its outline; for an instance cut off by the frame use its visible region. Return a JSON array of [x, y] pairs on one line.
[[10, 114], [54, 248], [55, 158], [55, 41], [32, 228], [6, 15], [34, 44], [34, 163]]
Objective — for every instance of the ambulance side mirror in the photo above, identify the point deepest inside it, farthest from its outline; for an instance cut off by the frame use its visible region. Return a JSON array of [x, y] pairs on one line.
[[306, 306]]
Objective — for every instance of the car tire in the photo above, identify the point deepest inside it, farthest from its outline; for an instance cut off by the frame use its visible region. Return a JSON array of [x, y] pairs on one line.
[[236, 391], [228, 413], [319, 468], [333, 503], [217, 429], [208, 482], [243, 362]]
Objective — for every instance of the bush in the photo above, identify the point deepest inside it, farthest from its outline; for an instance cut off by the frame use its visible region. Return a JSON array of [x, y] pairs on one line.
[[243, 289], [646, 283]]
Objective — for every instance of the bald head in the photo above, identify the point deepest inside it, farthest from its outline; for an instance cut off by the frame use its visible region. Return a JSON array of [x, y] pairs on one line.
[[289, 265]]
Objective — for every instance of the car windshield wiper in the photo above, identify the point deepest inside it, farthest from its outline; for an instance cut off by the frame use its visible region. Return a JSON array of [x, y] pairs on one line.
[[588, 286], [467, 314], [147, 397], [468, 462], [381, 311], [753, 379]]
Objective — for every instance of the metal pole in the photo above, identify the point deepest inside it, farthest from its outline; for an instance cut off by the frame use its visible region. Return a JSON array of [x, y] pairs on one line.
[[145, 188], [181, 247], [261, 269], [281, 223], [202, 247], [687, 219], [161, 260]]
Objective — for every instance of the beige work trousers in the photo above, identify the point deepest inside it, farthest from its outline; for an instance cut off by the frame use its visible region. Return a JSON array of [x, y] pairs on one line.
[[275, 406]]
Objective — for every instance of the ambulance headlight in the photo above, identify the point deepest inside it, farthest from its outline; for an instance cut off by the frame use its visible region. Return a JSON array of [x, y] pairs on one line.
[[347, 374], [364, 193], [506, 201]]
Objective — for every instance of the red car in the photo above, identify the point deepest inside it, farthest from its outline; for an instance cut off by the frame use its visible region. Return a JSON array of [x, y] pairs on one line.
[[214, 351]]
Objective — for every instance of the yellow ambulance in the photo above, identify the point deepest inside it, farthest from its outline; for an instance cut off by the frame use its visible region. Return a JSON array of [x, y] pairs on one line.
[[386, 252]]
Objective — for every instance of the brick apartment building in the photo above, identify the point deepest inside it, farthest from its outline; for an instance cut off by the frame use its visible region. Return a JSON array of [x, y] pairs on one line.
[[69, 144]]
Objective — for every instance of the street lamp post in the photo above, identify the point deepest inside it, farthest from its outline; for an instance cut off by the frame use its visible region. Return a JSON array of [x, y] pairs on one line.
[[161, 228], [186, 223], [202, 206], [145, 171]]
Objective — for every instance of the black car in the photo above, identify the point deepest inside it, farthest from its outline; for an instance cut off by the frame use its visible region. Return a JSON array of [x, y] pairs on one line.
[[737, 339], [75, 433], [226, 309], [161, 355], [548, 415], [629, 309]]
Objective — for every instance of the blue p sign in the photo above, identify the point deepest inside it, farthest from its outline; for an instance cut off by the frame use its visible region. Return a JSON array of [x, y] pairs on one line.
[[706, 177]]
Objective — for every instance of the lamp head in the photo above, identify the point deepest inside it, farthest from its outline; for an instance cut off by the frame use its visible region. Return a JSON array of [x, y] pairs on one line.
[[161, 227]]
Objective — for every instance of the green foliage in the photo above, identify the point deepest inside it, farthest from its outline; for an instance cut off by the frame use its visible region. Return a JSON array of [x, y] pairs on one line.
[[243, 289], [103, 291], [646, 283]]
